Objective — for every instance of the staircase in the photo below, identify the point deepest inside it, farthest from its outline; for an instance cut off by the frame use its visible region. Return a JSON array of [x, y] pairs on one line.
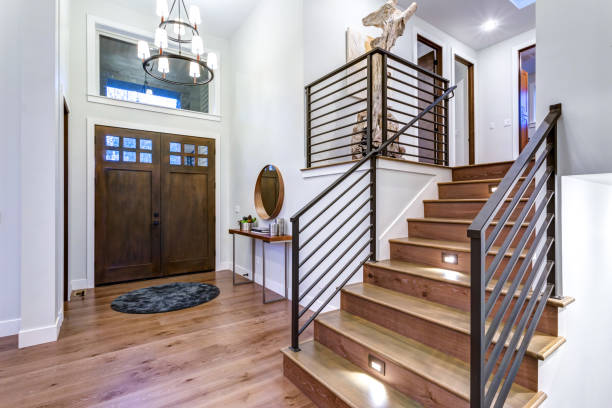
[[402, 337]]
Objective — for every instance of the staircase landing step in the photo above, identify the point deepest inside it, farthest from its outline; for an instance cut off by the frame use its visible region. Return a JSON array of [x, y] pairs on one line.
[[540, 347], [436, 367], [343, 379]]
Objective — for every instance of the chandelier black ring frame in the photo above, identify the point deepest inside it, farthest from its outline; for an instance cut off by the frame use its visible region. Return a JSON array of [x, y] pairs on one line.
[[148, 67], [194, 31]]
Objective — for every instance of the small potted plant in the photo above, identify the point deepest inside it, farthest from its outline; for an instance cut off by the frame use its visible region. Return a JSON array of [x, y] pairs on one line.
[[246, 223]]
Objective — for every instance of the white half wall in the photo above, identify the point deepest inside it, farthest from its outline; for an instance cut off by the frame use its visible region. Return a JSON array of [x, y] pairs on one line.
[[578, 374]]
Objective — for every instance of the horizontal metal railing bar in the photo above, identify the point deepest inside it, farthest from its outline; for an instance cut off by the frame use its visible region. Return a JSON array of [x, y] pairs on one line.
[[365, 158], [421, 147], [346, 190], [486, 214], [499, 403], [390, 88], [335, 148], [416, 107], [437, 132], [338, 289], [336, 138], [339, 109], [303, 245], [515, 228], [331, 158], [415, 67], [495, 322], [411, 85], [527, 287], [348, 115], [333, 264], [340, 69], [324, 257], [415, 77], [338, 128], [517, 197], [435, 160], [442, 142], [342, 269], [336, 100], [339, 80], [333, 217], [433, 122], [338, 90]]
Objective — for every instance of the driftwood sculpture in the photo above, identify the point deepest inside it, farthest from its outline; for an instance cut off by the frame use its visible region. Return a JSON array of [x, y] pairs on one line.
[[392, 21]]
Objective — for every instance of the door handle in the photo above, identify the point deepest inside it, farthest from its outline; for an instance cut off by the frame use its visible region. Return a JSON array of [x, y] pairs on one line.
[[156, 222]]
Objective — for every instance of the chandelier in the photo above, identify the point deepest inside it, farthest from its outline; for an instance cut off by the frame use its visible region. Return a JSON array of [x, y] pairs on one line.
[[180, 26]]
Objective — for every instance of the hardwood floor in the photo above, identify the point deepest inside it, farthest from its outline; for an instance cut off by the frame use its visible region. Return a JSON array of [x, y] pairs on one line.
[[224, 353]]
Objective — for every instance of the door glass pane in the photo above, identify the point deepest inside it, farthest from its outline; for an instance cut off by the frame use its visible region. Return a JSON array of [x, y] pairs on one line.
[[146, 157], [175, 160], [190, 149], [175, 147], [111, 155], [112, 141], [129, 157], [203, 150], [189, 161], [129, 143], [203, 161], [146, 144]]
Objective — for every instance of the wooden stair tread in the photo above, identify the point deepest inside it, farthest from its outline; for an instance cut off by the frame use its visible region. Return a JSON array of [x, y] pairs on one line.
[[437, 367], [452, 277], [482, 164], [465, 221], [540, 346], [339, 376], [483, 181], [448, 245]]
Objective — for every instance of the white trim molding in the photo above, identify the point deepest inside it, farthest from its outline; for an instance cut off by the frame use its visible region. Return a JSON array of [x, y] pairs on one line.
[[9, 327], [98, 25], [40, 335], [91, 191], [452, 112]]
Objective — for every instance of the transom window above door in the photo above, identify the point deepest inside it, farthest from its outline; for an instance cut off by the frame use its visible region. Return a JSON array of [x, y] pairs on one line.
[[128, 149]]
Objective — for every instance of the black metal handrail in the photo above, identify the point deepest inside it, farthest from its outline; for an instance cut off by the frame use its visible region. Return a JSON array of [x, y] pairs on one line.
[[358, 207], [337, 115], [496, 322]]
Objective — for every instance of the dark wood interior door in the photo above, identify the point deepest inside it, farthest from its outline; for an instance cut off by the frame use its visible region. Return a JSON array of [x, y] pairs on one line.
[[127, 230], [426, 129], [188, 204]]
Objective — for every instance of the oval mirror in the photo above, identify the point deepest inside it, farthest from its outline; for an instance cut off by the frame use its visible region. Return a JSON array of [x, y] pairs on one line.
[[269, 192]]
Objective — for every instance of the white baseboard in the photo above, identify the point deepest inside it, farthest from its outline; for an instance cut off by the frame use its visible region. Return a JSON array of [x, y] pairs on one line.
[[9, 327], [40, 335], [222, 266], [78, 284]]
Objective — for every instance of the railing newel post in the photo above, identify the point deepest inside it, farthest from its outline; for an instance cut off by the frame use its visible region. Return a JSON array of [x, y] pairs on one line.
[[307, 128], [478, 377], [295, 283], [369, 112], [384, 116]]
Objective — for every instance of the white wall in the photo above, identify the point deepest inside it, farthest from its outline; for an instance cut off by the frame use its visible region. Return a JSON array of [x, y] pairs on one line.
[[496, 98], [574, 59], [578, 374], [81, 110], [10, 174]]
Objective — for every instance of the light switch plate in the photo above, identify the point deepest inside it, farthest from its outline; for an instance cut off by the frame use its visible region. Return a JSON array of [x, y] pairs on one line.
[[237, 209], [492, 125], [507, 123]]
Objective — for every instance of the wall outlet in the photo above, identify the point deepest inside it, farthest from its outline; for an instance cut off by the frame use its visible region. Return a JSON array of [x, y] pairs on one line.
[[492, 125], [507, 123], [237, 209]]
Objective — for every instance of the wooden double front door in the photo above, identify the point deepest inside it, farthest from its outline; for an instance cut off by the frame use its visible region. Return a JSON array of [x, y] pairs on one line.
[[155, 204]]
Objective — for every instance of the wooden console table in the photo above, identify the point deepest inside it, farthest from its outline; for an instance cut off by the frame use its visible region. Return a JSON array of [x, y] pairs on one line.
[[264, 238]]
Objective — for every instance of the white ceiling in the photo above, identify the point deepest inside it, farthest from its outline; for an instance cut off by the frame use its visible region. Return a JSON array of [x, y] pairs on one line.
[[462, 19]]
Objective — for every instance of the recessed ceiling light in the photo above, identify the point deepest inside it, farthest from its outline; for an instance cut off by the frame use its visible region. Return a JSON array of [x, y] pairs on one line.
[[489, 25]]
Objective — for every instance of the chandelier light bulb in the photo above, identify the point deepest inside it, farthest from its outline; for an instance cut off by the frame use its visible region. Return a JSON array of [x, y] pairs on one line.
[[162, 9], [143, 50], [194, 15], [194, 70], [211, 60], [163, 66], [161, 38], [197, 47]]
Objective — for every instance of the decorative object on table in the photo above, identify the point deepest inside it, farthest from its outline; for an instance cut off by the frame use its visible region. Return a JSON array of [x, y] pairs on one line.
[[247, 223], [180, 26], [165, 298], [392, 21], [281, 226], [274, 229], [261, 230], [269, 192]]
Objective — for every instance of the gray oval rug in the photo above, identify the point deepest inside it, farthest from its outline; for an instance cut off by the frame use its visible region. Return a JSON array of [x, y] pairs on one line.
[[165, 298]]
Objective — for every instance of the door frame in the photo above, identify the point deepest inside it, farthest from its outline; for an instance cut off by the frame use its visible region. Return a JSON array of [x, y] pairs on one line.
[[91, 124], [515, 92], [471, 105], [66, 119]]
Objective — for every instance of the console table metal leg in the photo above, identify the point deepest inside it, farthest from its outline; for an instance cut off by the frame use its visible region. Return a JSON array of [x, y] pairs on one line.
[[263, 261]]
